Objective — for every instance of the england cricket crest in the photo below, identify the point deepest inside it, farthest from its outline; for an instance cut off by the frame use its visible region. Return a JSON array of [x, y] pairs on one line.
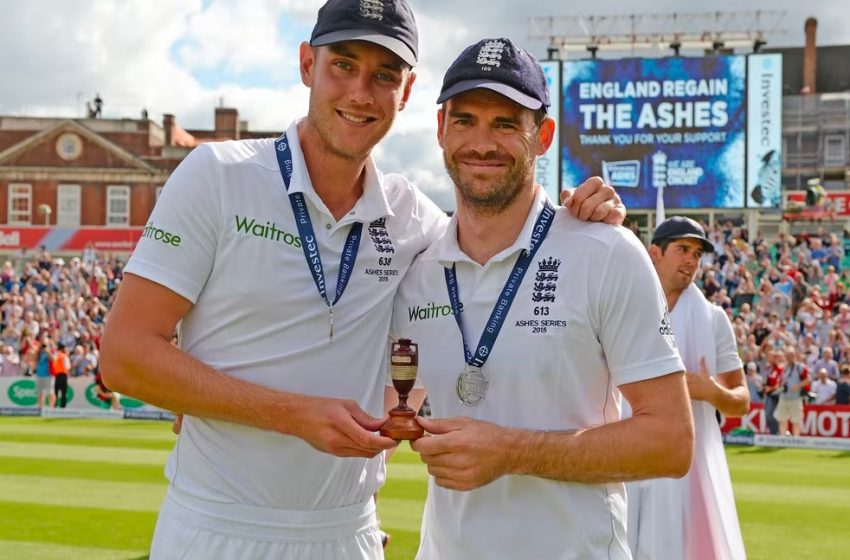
[[380, 237], [546, 280]]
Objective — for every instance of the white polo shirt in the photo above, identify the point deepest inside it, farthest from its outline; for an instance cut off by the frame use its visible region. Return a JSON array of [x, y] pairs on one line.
[[223, 235], [588, 317]]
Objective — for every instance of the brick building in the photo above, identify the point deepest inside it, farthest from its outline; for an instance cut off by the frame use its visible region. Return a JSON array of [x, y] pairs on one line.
[[67, 182]]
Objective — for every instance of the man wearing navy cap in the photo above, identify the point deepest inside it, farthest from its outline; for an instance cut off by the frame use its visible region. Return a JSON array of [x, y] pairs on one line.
[[693, 517], [552, 320], [278, 455], [282, 261]]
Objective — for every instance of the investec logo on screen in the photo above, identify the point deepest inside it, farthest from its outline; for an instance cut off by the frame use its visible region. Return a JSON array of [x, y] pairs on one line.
[[765, 103], [11, 239], [764, 142]]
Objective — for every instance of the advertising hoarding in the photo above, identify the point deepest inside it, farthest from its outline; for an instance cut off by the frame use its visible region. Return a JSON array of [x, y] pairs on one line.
[[764, 127], [818, 421], [18, 396], [58, 239]]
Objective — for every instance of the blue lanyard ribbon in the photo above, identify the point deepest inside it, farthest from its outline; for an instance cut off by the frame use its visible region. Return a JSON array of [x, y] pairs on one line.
[[308, 237], [509, 291]]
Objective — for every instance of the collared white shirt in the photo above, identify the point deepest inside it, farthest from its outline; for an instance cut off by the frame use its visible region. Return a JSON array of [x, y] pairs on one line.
[[235, 253], [588, 317]]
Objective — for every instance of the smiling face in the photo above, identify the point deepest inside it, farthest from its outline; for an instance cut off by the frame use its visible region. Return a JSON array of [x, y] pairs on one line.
[[356, 90], [489, 146], [677, 264]]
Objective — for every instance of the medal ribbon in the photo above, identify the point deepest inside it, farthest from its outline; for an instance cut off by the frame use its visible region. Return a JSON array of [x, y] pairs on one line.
[[506, 299], [308, 236]]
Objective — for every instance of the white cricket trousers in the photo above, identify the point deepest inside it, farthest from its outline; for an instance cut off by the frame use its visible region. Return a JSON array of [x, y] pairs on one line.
[[192, 529]]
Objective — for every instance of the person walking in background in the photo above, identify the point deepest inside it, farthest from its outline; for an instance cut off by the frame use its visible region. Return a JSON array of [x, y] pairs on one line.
[[61, 368], [694, 517], [44, 380], [793, 383]]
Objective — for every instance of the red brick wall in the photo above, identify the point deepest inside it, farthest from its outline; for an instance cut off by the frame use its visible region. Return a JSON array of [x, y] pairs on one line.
[[4, 202], [92, 202], [93, 205], [44, 154], [9, 138], [134, 143], [44, 192]]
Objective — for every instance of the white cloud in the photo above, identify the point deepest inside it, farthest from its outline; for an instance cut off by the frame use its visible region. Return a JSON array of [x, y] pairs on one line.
[[181, 57], [236, 37], [79, 48]]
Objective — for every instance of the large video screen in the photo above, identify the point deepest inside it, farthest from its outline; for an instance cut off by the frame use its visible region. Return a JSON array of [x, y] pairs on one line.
[[546, 171], [644, 124]]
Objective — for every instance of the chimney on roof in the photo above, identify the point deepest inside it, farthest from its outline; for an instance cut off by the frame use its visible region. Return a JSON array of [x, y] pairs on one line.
[[168, 126], [810, 57], [226, 123]]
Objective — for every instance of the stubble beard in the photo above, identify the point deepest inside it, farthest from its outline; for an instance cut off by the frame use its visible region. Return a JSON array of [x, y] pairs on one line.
[[324, 131], [681, 284], [501, 194]]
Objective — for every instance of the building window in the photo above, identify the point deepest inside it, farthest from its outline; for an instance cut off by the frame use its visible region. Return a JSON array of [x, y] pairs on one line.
[[20, 204], [68, 205], [117, 205], [834, 151]]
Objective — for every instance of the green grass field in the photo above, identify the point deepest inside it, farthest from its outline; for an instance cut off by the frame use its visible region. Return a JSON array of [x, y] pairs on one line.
[[90, 489]]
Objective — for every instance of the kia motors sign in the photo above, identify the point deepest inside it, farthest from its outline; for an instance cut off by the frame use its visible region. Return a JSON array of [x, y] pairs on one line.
[[818, 421]]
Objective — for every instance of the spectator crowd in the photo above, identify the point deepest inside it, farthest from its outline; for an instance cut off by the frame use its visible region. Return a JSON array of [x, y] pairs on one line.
[[52, 313], [788, 299], [789, 302]]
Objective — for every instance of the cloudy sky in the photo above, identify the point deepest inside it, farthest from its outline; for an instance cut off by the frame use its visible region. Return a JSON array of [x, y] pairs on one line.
[[184, 56]]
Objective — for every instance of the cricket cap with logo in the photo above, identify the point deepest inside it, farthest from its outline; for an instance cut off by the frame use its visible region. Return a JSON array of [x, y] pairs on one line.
[[501, 66], [680, 227], [388, 23]]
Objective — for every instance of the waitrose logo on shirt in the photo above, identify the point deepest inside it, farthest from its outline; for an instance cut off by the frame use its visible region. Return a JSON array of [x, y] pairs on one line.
[[429, 311], [267, 230], [151, 231]]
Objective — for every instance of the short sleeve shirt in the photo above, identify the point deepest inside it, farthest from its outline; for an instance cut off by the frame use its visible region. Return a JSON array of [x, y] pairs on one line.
[[588, 317], [223, 236]]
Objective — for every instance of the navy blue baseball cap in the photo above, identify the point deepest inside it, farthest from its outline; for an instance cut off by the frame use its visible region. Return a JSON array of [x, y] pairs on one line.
[[680, 227], [388, 23], [501, 66]]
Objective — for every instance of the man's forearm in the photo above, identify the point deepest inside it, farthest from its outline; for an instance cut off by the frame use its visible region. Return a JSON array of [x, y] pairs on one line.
[[142, 362], [150, 368], [732, 403], [632, 449], [728, 392]]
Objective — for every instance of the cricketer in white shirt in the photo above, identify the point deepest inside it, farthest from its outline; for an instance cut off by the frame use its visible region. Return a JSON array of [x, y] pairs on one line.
[[588, 317]]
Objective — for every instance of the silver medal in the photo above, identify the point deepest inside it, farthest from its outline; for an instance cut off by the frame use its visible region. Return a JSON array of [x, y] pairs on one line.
[[472, 385]]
